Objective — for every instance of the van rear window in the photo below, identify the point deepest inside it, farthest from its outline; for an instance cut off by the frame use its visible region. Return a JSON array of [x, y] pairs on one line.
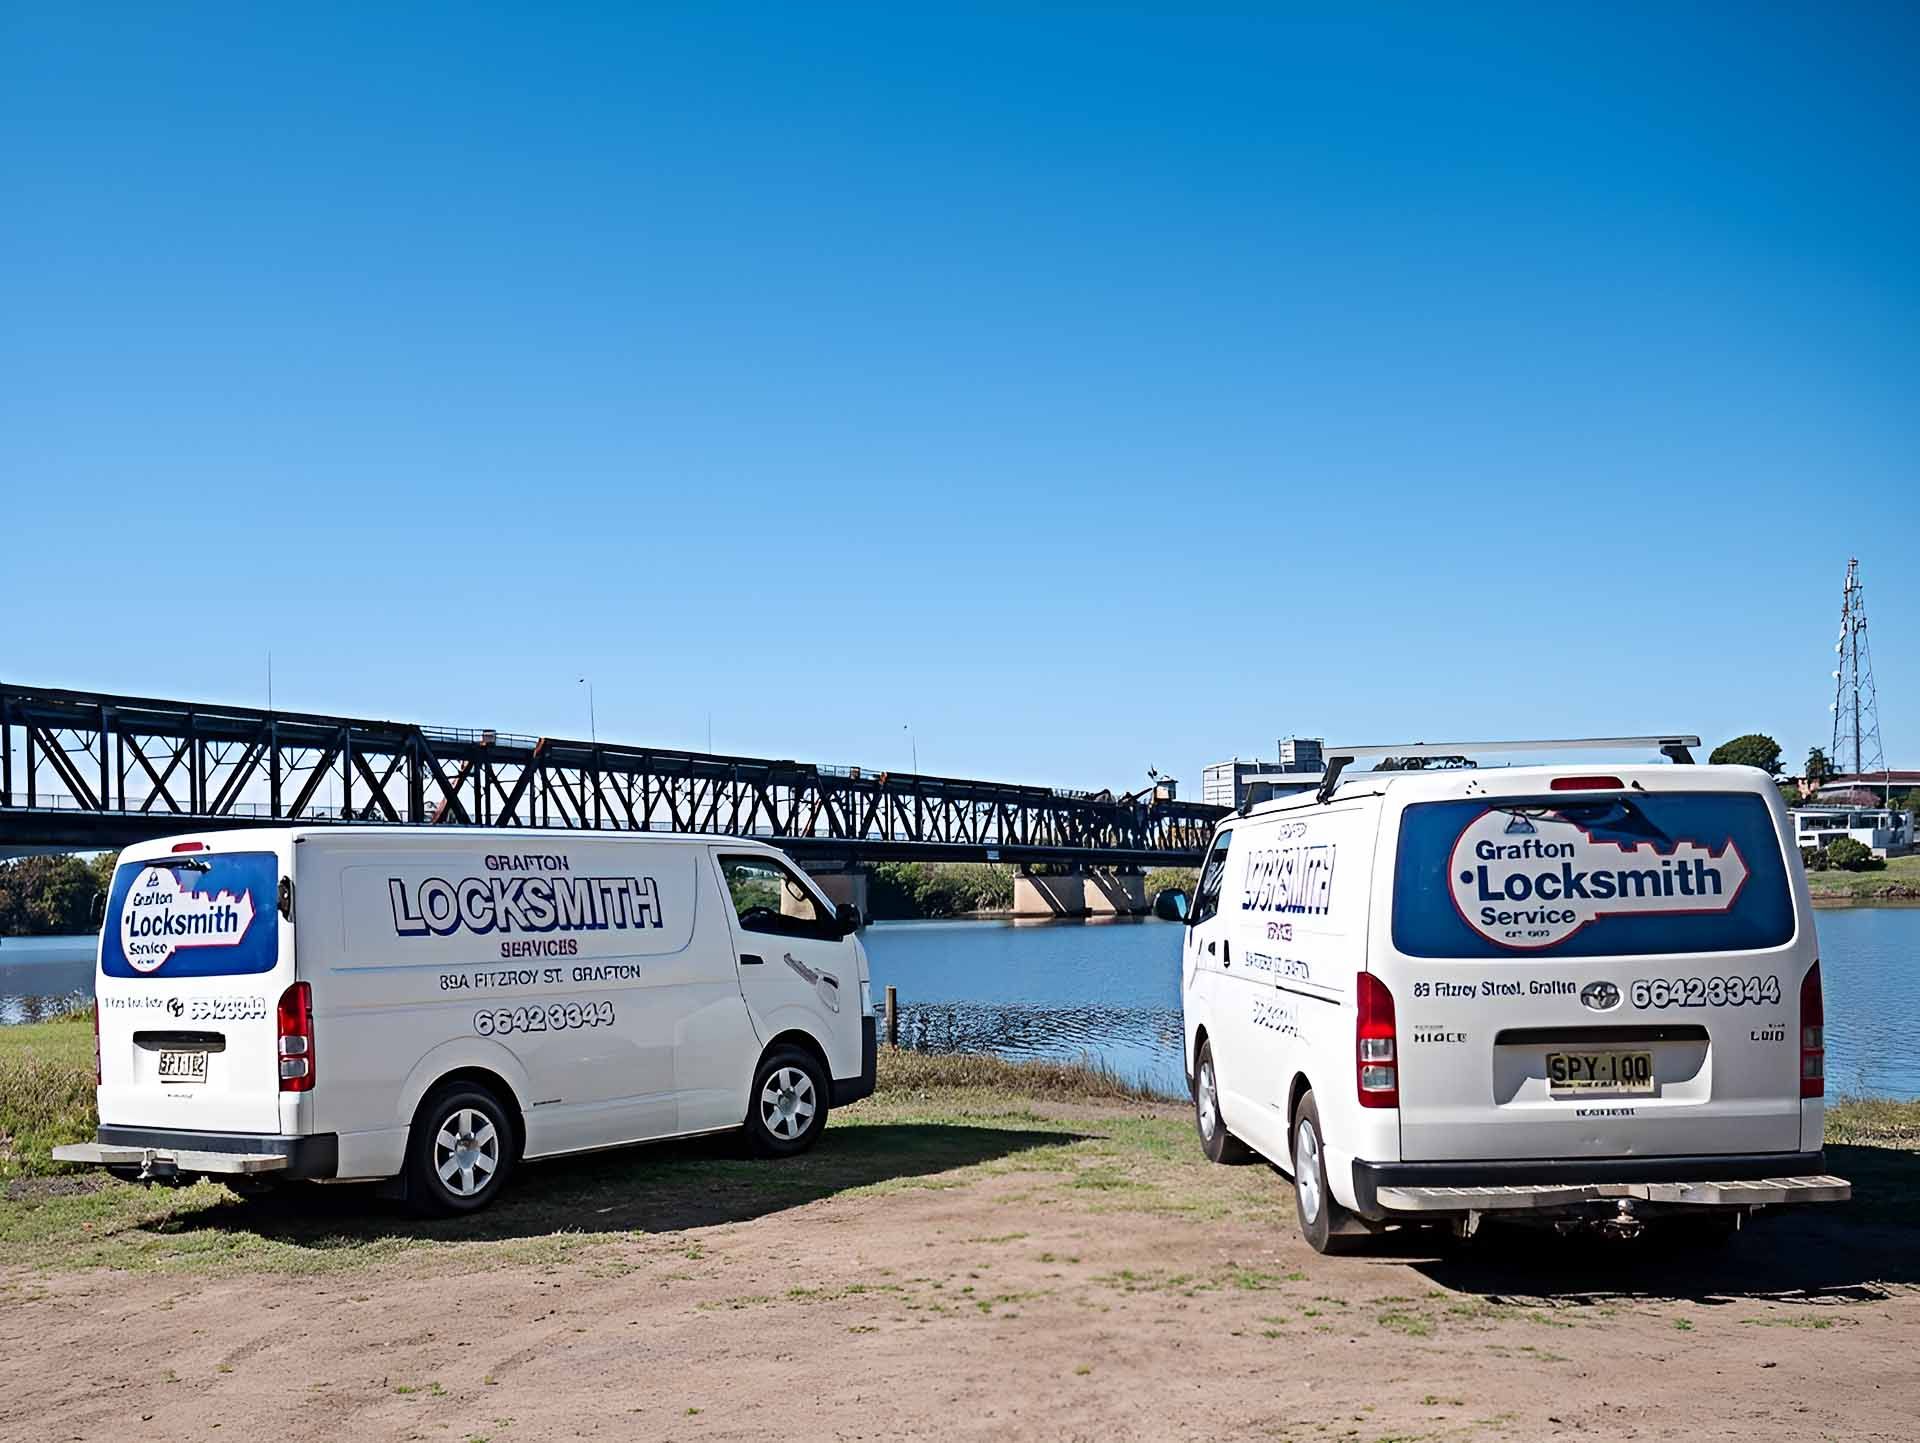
[[201, 914], [1660, 873]]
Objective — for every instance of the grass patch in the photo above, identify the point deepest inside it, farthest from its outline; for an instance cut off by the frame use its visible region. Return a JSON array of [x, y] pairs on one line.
[[1874, 1122], [1898, 880], [905, 1072]]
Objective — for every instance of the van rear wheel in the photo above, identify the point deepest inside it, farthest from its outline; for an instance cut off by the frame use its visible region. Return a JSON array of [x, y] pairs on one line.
[[1322, 1220], [1215, 1141], [460, 1152], [787, 1107]]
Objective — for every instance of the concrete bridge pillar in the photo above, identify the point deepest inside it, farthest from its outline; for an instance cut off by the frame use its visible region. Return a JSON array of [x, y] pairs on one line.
[[1080, 894], [1064, 896], [1116, 894]]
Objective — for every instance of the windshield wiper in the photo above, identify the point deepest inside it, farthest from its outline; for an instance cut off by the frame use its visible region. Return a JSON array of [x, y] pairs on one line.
[[191, 864]]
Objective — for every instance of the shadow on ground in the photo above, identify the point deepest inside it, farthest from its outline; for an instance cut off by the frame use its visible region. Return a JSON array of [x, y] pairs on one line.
[[1863, 1251], [661, 1188]]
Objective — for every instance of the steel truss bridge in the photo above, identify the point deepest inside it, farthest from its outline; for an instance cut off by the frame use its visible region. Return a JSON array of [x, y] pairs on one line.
[[84, 770]]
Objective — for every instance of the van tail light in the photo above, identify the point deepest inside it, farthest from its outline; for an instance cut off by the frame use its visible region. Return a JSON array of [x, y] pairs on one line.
[[1813, 1035], [1376, 1055], [1587, 784], [98, 1076], [295, 1017]]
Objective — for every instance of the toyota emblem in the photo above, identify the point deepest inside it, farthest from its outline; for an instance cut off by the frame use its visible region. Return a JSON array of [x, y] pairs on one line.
[[1600, 996]]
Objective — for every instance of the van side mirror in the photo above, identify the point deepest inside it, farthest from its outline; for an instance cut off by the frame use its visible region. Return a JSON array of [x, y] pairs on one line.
[[1170, 905], [97, 913], [847, 917]]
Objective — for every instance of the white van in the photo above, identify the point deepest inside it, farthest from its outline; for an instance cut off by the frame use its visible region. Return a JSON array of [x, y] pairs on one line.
[[1575, 994], [431, 1007]]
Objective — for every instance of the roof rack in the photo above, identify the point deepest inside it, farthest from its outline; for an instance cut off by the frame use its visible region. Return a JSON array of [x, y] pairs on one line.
[[1673, 747]]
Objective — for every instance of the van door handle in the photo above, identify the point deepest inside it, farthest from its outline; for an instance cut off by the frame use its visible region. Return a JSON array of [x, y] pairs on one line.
[[747, 959]]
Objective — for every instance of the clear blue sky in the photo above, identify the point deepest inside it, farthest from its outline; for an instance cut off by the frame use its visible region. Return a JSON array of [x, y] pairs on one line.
[[1087, 390]]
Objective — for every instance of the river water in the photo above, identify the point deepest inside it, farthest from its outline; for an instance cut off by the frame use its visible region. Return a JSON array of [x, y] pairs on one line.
[[1110, 991]]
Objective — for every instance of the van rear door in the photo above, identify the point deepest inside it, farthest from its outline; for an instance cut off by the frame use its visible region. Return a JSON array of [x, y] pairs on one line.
[[193, 961], [1596, 976]]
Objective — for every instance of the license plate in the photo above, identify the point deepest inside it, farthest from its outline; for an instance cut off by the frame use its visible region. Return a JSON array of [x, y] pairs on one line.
[[183, 1067], [1600, 1071]]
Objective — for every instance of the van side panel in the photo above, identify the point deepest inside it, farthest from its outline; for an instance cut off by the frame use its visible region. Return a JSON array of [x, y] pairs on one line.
[[1294, 922], [567, 965]]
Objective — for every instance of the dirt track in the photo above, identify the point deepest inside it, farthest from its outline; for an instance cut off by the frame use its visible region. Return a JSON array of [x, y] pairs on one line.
[[985, 1304]]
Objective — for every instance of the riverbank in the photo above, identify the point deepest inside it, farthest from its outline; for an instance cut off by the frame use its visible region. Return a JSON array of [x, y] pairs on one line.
[[1051, 1236], [1898, 881]]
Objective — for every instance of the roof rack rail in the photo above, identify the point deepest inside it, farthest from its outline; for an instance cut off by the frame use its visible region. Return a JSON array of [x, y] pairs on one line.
[[1673, 747]]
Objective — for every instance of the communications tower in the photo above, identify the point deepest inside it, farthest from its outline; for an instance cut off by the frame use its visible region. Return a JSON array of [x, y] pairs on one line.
[[1856, 710]]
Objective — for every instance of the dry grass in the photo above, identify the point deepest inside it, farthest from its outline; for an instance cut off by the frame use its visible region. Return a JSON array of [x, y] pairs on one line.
[[907, 1073], [1873, 1122]]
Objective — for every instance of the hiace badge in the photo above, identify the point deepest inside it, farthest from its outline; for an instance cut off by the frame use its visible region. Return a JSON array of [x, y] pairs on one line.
[[1538, 886]]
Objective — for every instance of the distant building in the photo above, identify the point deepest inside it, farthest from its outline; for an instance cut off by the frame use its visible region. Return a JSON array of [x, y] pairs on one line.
[[1303, 754], [1302, 760], [1882, 830], [1871, 789]]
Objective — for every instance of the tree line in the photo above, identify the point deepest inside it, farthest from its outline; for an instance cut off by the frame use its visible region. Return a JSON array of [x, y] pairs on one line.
[[51, 896]]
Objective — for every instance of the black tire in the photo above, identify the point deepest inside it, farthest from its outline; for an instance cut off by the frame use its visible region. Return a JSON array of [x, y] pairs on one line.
[[787, 1105], [479, 1157], [1321, 1218], [1215, 1141]]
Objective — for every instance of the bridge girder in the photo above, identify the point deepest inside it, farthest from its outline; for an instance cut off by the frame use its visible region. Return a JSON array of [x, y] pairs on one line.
[[97, 770]]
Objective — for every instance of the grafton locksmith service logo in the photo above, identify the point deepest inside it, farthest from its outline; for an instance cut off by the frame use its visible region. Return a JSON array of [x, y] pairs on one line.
[[164, 915], [1528, 880]]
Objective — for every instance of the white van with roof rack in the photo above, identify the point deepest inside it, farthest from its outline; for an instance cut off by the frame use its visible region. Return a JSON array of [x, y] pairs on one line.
[[429, 1007], [1437, 992]]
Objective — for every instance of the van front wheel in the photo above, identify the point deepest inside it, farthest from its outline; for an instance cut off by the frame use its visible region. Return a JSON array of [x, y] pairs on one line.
[[1322, 1219], [460, 1152], [787, 1107]]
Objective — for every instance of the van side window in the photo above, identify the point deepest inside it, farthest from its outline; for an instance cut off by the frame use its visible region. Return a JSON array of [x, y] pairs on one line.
[[1206, 893], [768, 897]]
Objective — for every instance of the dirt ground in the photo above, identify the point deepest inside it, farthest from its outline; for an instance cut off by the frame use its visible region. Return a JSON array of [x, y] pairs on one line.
[[979, 1296]]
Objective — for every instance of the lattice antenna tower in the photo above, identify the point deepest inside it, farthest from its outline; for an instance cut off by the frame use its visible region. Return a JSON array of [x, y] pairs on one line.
[[1856, 707]]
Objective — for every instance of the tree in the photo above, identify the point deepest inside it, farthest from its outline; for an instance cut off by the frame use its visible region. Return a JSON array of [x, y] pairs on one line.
[[1751, 750], [1851, 856], [1818, 768], [46, 896]]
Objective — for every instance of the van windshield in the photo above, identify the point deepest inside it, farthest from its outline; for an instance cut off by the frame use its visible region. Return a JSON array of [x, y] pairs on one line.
[[201, 914], [1658, 873]]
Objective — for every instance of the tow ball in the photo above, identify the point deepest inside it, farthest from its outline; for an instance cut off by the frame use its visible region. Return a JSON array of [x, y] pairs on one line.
[[1624, 1223]]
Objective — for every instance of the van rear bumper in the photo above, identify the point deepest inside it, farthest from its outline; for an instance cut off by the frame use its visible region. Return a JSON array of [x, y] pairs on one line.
[[1385, 1189], [313, 1156], [842, 1090]]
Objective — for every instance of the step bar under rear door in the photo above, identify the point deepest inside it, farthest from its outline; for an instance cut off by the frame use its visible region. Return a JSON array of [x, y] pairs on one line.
[[1753, 1192]]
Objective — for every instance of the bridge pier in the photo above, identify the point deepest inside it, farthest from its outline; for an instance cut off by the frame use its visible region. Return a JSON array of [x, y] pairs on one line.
[[1116, 894], [1089, 893]]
